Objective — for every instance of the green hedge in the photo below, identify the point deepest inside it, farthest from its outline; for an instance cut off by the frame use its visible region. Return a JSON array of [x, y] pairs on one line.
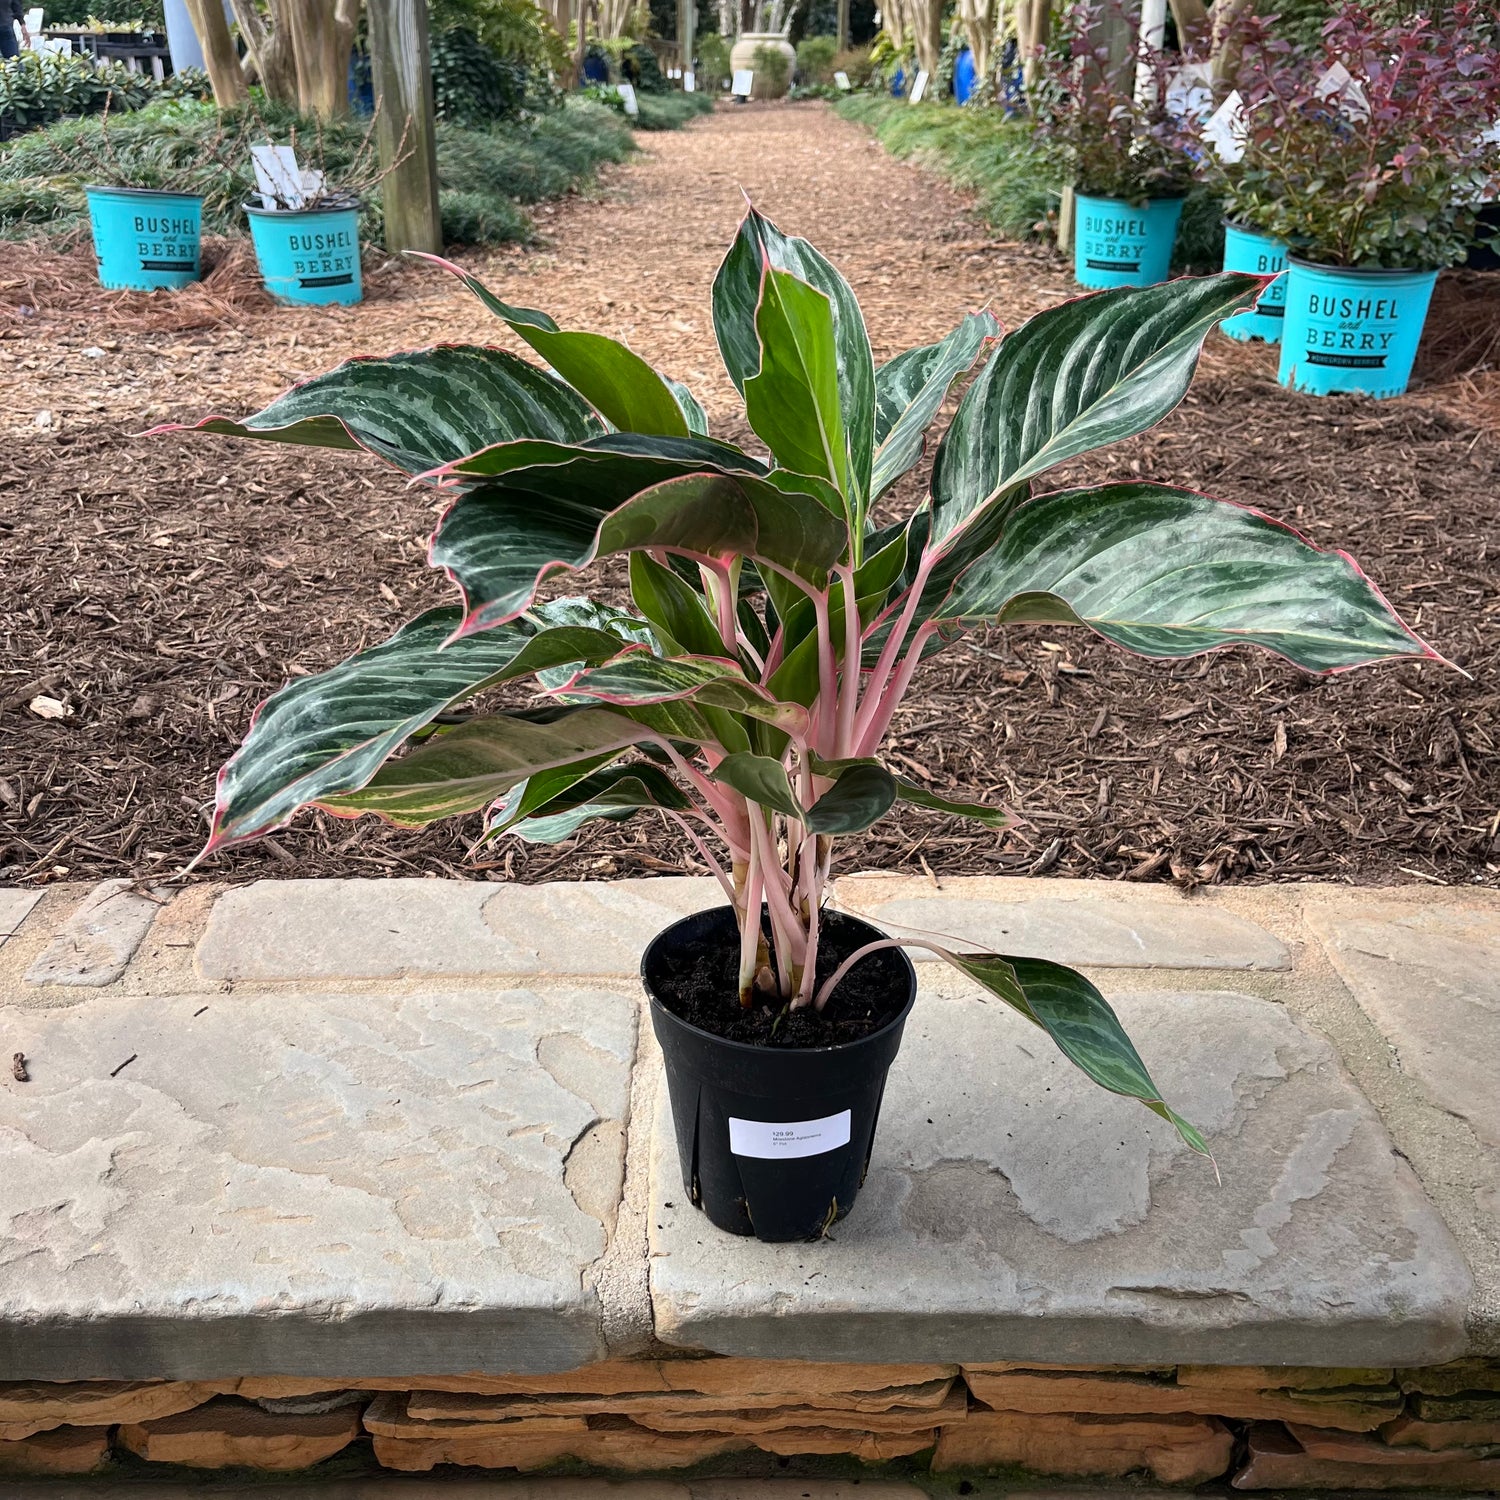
[[995, 157], [483, 175]]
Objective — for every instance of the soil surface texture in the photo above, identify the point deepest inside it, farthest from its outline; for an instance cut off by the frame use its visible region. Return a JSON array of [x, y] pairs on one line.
[[157, 589]]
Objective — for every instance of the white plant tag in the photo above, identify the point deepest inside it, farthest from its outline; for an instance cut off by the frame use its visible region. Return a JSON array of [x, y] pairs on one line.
[[627, 93], [842, 79], [918, 88], [312, 184], [1352, 102], [744, 81], [689, 82], [277, 176], [1225, 129], [783, 1140]]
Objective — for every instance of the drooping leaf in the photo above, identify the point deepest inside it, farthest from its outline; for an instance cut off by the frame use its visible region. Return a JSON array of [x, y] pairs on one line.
[[1168, 572], [613, 379], [420, 409], [538, 790], [918, 796], [616, 794], [1073, 378], [499, 541], [861, 795], [466, 768], [792, 401], [763, 780], [909, 391], [1079, 1019], [736, 296], [328, 734], [638, 676]]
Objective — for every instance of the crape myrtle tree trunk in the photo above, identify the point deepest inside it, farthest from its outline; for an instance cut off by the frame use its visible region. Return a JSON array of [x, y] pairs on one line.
[[220, 57], [300, 50], [979, 26]]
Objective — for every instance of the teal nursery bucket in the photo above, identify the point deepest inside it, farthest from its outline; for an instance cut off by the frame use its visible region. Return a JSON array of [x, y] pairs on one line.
[[1116, 243], [145, 240], [1351, 330], [1260, 255], [308, 255]]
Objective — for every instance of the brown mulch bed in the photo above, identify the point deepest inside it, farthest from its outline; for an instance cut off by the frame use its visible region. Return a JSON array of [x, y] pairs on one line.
[[159, 589]]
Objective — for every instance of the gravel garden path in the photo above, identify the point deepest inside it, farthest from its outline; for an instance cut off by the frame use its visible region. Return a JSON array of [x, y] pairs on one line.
[[158, 589]]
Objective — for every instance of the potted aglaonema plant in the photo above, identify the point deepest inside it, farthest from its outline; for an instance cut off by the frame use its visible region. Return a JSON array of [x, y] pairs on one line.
[[745, 691], [1103, 118], [1369, 156]]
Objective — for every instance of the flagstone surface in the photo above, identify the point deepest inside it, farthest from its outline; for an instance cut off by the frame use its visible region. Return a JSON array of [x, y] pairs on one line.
[[321, 1128]]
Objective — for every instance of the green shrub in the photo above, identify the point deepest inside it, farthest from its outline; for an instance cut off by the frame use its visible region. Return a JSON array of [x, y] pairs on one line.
[[483, 175], [713, 61], [36, 88], [671, 111], [772, 71], [815, 55], [999, 160], [473, 85]]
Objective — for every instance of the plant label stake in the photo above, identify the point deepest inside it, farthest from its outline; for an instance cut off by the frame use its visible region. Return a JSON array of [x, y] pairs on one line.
[[918, 88], [1225, 129], [278, 178], [689, 82], [627, 93], [744, 81], [842, 79]]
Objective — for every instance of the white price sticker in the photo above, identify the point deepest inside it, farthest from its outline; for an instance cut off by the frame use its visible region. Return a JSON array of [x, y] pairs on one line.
[[781, 1140]]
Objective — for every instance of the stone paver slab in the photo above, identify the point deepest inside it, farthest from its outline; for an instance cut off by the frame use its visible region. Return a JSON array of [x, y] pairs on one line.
[[1013, 1211], [1071, 921], [15, 906], [199, 1187], [379, 929], [92, 948], [1429, 977]]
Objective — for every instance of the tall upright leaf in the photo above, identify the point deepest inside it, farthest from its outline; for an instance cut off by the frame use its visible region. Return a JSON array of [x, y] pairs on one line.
[[792, 401], [1071, 379], [736, 295], [612, 378], [910, 389]]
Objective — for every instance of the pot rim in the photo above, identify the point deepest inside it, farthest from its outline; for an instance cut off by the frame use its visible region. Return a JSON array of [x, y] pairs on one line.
[[1130, 202], [140, 192], [1357, 271], [899, 1019], [353, 206]]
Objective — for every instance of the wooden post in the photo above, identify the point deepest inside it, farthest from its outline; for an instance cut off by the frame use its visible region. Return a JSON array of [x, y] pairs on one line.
[[405, 124], [841, 27], [1067, 215]]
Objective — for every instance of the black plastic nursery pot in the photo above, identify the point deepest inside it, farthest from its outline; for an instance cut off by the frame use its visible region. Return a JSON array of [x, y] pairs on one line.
[[774, 1141]]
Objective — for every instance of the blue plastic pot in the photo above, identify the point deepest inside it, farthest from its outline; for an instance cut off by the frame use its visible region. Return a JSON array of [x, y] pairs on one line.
[[1351, 330], [1118, 243], [308, 255], [1260, 255], [145, 240], [963, 77]]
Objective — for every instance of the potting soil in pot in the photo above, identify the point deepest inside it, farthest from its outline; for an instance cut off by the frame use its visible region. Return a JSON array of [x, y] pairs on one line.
[[701, 986]]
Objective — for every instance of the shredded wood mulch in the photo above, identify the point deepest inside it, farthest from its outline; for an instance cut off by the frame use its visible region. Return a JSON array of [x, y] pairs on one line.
[[156, 590]]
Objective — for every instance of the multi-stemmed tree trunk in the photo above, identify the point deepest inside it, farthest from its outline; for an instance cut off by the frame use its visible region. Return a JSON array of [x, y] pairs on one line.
[[980, 27], [299, 50], [219, 55]]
